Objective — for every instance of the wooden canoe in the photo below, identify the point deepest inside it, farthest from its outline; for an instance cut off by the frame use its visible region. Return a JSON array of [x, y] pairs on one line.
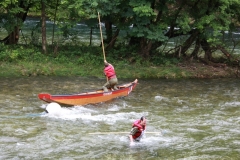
[[89, 97]]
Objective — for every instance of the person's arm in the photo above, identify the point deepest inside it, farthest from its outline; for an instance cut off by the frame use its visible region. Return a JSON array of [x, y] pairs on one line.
[[136, 124], [133, 131], [106, 63]]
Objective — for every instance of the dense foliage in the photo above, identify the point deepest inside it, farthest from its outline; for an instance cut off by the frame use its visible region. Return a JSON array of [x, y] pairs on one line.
[[148, 26]]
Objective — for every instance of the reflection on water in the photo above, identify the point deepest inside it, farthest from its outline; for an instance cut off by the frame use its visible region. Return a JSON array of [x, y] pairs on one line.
[[198, 119]]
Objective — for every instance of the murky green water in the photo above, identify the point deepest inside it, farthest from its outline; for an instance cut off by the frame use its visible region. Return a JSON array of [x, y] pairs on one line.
[[198, 119]]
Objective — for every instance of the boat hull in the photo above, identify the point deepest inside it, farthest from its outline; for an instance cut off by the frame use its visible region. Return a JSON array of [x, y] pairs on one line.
[[89, 97]]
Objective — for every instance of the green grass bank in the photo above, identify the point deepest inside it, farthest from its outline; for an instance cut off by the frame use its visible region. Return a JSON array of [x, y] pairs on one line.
[[87, 61]]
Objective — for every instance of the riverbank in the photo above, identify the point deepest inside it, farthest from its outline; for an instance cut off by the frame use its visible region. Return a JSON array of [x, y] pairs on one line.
[[124, 70], [201, 70], [87, 61]]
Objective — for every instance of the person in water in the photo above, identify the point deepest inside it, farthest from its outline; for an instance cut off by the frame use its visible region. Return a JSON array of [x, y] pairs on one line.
[[112, 80], [138, 129]]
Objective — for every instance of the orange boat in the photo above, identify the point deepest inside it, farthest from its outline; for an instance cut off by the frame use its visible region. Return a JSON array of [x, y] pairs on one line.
[[89, 97]]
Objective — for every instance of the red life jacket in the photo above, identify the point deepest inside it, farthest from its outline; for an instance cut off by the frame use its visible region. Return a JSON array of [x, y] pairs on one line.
[[139, 132], [109, 71]]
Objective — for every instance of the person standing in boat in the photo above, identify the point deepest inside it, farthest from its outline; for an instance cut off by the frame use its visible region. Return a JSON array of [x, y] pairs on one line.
[[138, 129], [110, 73]]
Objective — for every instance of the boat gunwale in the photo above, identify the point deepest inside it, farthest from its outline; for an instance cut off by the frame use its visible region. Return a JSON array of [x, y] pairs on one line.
[[93, 92]]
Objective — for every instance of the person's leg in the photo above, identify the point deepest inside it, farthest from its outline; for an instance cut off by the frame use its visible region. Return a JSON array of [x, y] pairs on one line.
[[113, 82], [106, 86], [115, 87], [133, 131], [140, 137]]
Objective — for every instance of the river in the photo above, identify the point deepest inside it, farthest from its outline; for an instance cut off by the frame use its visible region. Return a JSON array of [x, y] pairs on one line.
[[195, 119]]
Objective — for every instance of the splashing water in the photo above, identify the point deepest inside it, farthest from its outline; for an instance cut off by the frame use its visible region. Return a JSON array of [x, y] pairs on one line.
[[197, 119]]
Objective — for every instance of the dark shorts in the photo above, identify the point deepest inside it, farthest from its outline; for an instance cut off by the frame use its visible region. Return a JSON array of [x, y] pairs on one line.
[[133, 130]]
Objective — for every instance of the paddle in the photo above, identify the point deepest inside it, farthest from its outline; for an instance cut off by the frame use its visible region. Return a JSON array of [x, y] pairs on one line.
[[101, 36], [104, 57], [123, 133]]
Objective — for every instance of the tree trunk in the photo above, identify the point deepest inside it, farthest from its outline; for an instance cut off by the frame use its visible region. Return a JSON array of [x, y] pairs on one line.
[[113, 40], [145, 48], [108, 27], [196, 49], [208, 59], [207, 49], [55, 15], [187, 44], [44, 37], [14, 36], [224, 51], [91, 31]]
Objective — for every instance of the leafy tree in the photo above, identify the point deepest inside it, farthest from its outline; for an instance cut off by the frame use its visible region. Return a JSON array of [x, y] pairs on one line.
[[205, 22], [153, 22], [13, 14]]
